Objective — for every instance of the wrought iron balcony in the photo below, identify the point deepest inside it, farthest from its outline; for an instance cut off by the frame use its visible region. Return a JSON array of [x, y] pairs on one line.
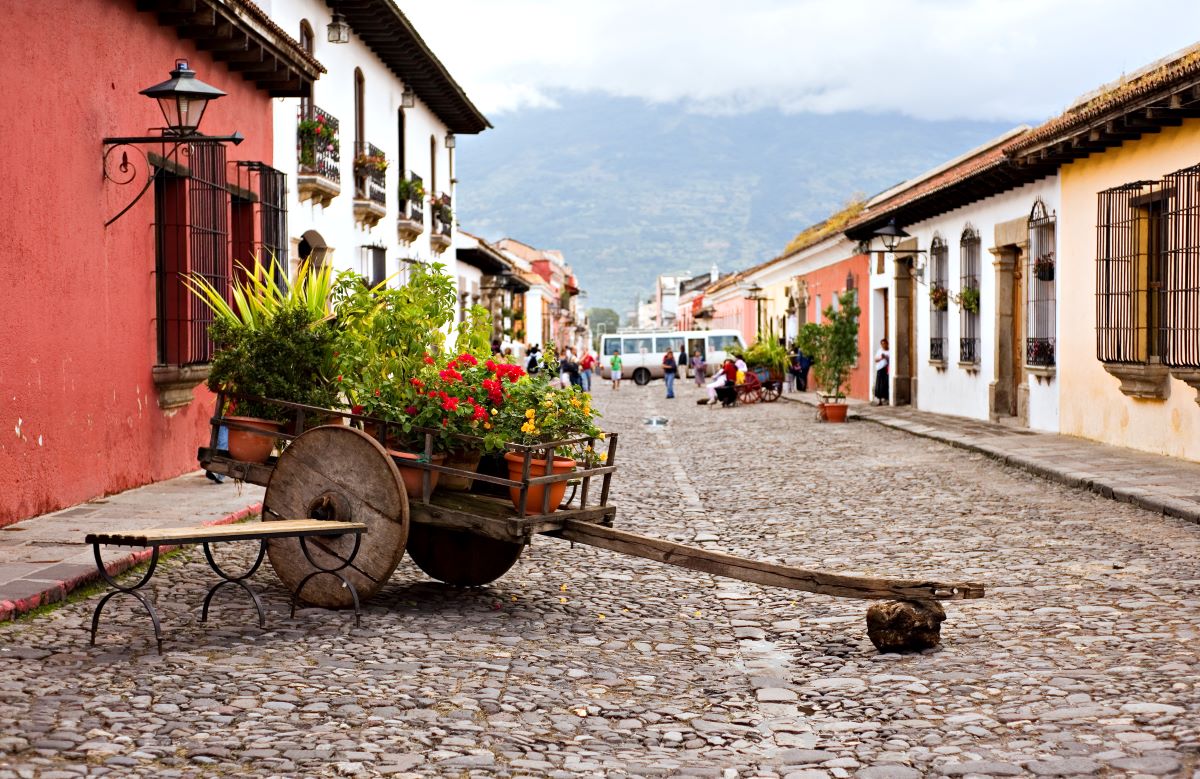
[[411, 221], [443, 223], [968, 350], [1039, 352], [370, 184], [318, 152]]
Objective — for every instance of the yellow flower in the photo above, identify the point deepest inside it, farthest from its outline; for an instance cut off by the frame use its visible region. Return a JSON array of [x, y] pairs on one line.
[[487, 425], [495, 412], [575, 402], [529, 413], [604, 457], [601, 436]]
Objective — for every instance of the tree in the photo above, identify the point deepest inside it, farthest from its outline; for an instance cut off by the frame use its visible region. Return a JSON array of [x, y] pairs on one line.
[[833, 345], [602, 319]]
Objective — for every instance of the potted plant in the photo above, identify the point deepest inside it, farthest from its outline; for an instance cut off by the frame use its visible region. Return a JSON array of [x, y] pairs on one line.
[[273, 341], [1043, 267], [939, 297], [410, 189], [444, 214], [833, 345], [534, 413], [315, 136], [968, 300], [367, 164]]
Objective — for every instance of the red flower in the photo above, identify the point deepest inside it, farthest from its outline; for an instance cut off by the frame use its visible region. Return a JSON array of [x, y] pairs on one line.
[[416, 382], [432, 394], [490, 365], [480, 414], [410, 410], [356, 409], [428, 359], [450, 375], [450, 403], [469, 359], [376, 393], [339, 377]]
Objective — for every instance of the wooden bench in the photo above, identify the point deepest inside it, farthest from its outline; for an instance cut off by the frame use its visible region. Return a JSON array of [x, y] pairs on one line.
[[208, 535]]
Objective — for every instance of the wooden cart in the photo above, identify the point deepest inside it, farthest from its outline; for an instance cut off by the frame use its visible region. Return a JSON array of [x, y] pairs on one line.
[[336, 471], [760, 384]]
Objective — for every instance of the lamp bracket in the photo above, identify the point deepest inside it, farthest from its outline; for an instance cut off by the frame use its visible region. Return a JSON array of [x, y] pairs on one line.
[[123, 171]]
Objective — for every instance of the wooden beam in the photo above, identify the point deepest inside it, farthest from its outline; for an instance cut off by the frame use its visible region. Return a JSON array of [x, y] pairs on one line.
[[768, 574]]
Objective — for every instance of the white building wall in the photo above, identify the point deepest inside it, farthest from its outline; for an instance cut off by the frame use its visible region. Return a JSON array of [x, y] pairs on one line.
[[954, 389], [334, 93]]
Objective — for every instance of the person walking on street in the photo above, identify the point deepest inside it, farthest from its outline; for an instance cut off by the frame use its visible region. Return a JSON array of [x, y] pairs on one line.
[[585, 369], [698, 367], [533, 364], [670, 367], [614, 362], [570, 369], [882, 361], [564, 373]]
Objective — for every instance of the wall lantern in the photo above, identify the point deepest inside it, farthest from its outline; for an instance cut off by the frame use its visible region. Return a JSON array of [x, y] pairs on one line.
[[339, 31], [182, 98], [891, 235], [849, 281], [408, 98], [450, 140]]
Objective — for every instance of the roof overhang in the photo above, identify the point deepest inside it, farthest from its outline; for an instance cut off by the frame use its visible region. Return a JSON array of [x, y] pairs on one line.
[[387, 31], [483, 257], [239, 34]]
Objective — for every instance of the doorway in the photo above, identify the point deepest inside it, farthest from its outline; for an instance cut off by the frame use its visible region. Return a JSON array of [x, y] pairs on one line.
[[904, 351], [1007, 399]]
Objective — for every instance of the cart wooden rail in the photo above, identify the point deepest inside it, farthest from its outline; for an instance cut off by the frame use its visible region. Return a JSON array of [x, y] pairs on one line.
[[339, 472]]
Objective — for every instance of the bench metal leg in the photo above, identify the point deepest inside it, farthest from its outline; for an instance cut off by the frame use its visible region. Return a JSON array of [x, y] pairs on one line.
[[118, 589], [238, 580], [337, 571]]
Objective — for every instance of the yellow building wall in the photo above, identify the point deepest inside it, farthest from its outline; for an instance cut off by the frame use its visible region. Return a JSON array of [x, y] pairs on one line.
[[1091, 404]]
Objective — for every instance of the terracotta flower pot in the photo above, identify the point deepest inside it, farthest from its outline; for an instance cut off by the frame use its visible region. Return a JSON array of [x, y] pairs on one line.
[[464, 460], [253, 447], [533, 503], [833, 412], [411, 474]]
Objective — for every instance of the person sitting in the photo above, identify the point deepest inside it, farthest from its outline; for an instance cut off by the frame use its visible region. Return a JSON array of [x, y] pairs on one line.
[[727, 375]]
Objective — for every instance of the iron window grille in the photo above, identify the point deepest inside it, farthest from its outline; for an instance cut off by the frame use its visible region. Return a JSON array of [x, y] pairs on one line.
[[1180, 294], [939, 271], [323, 159], [968, 296], [1041, 295], [370, 182], [191, 229], [261, 236], [373, 264], [441, 224], [414, 208], [1129, 266]]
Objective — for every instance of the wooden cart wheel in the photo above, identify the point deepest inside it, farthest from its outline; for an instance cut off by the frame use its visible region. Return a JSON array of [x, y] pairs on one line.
[[460, 558], [771, 391], [337, 473]]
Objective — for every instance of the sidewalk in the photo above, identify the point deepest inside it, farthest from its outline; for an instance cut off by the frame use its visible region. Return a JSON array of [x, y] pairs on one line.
[[44, 558], [1165, 485]]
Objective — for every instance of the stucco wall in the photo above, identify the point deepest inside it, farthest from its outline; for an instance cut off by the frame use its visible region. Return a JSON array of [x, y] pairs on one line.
[[1092, 404], [829, 282], [334, 93], [952, 388], [78, 409]]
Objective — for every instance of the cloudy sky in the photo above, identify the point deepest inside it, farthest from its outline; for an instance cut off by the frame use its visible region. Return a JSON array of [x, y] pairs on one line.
[[976, 59]]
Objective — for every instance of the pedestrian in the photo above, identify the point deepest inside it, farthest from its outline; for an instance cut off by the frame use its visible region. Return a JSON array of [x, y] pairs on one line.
[[614, 362], [799, 370], [223, 447], [585, 369], [726, 375], [532, 364], [670, 368], [806, 362], [568, 358], [882, 361], [570, 370], [698, 368]]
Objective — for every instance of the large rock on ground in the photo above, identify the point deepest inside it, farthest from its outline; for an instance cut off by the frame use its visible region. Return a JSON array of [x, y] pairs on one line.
[[905, 625]]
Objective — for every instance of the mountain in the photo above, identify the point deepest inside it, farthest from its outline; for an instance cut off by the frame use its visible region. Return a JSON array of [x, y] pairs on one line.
[[628, 190]]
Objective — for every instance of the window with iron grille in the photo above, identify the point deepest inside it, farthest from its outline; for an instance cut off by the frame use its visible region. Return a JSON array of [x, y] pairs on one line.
[[1131, 246], [191, 215], [1041, 295], [373, 264], [1181, 274], [259, 219], [939, 298], [968, 296]]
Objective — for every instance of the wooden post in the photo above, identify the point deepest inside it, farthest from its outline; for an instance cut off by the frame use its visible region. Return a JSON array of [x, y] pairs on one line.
[[612, 457]]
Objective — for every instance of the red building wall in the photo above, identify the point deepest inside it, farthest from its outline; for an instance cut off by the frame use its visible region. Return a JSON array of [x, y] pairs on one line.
[[830, 281], [79, 416]]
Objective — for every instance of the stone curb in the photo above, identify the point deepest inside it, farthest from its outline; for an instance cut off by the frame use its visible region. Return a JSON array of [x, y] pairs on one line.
[[1142, 498], [56, 592]]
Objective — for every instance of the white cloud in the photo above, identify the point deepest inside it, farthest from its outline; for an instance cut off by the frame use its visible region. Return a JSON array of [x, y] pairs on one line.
[[981, 59]]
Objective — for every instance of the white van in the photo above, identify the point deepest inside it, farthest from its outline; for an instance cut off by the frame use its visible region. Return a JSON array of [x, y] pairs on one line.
[[642, 351]]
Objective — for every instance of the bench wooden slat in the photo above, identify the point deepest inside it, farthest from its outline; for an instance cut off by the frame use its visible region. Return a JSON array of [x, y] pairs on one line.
[[245, 531]]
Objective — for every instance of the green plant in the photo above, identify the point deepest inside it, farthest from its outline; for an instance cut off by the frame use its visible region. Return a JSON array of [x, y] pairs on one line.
[[939, 297], [968, 299], [258, 295], [315, 135], [444, 213], [767, 353], [535, 413], [410, 189], [833, 345], [370, 163]]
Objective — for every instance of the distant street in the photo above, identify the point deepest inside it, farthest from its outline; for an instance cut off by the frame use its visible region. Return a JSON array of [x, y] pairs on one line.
[[1081, 660]]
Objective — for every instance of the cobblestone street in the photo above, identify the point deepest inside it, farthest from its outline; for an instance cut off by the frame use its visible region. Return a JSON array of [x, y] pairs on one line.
[[1081, 660]]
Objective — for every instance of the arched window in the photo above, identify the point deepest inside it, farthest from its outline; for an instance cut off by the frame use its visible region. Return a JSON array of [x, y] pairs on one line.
[[306, 43], [968, 296], [939, 297], [1040, 295], [360, 112], [433, 190]]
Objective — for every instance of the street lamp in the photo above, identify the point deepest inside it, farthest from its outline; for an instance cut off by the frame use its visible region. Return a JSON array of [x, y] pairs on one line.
[[754, 292], [182, 99], [408, 98], [891, 235], [339, 31]]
